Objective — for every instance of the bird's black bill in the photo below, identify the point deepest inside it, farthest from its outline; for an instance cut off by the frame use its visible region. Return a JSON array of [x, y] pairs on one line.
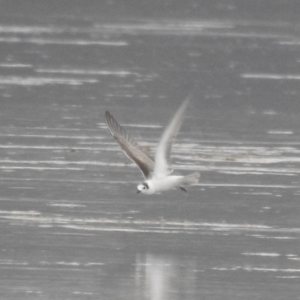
[[138, 191]]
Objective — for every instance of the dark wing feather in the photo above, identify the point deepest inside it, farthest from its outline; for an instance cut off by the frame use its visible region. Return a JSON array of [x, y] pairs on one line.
[[130, 146]]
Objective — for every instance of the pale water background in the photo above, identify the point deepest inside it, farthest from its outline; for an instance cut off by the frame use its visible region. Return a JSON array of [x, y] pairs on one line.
[[72, 226]]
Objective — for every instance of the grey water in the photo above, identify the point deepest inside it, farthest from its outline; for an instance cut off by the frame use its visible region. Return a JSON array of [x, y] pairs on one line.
[[72, 225]]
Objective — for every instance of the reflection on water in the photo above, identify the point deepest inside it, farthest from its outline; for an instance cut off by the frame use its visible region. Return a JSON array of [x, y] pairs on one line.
[[159, 277]]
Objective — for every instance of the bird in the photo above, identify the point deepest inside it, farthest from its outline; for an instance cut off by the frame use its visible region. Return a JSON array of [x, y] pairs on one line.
[[157, 173]]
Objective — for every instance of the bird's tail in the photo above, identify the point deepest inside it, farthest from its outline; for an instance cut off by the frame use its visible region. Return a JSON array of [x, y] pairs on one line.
[[189, 179]]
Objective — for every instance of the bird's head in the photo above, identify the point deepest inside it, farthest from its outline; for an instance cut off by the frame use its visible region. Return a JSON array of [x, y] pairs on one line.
[[143, 188]]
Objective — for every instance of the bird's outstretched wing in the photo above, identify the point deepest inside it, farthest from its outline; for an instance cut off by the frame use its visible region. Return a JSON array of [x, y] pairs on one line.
[[162, 165], [130, 146]]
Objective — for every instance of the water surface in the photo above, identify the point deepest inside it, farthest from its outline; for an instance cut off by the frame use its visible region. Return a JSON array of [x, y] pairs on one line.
[[72, 226]]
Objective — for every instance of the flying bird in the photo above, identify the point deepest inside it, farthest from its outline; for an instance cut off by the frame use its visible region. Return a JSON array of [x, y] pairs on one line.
[[157, 173]]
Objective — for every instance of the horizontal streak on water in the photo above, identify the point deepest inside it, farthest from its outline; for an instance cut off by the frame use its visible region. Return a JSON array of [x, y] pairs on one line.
[[45, 41], [10, 164], [15, 65], [147, 226], [280, 132], [185, 28], [60, 162], [52, 136], [35, 29], [43, 147], [258, 269], [179, 167], [264, 254], [40, 81], [271, 76], [39, 168], [121, 73], [186, 143], [290, 43], [229, 185]]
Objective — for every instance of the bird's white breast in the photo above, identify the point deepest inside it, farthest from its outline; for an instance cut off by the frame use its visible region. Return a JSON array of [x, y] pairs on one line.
[[157, 185]]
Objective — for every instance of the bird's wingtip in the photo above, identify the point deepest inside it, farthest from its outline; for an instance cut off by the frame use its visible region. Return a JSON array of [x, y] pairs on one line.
[[108, 116]]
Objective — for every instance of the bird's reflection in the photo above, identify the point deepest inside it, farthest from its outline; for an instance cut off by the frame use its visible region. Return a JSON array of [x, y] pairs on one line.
[[163, 277]]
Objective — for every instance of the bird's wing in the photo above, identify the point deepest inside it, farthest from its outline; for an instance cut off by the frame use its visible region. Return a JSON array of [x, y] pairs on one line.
[[162, 165], [130, 146]]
